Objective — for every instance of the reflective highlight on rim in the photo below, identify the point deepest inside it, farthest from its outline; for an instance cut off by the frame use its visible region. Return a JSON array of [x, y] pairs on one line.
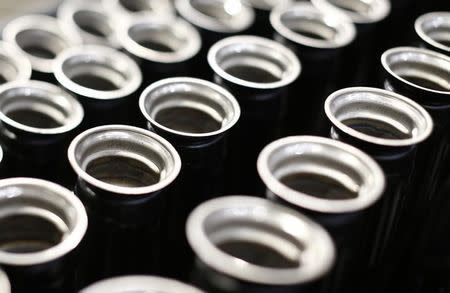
[[359, 11], [434, 29], [160, 40], [89, 21], [224, 16], [399, 112], [40, 38], [139, 284], [120, 142], [259, 221], [190, 93], [39, 107], [14, 66], [420, 68], [327, 158], [113, 67], [254, 53], [306, 25], [5, 286], [47, 201]]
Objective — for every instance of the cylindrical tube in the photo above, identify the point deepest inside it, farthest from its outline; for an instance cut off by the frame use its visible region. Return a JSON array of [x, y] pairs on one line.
[[125, 10], [41, 39], [249, 244], [124, 174], [195, 116], [5, 286], [89, 21], [163, 47], [424, 76], [261, 26], [41, 227], [433, 29], [360, 59], [37, 122], [337, 185], [258, 72], [215, 20], [318, 39], [140, 283], [14, 66], [104, 80], [389, 127]]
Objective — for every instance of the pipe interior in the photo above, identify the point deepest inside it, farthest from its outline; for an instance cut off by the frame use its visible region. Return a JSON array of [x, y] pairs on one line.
[[308, 26], [136, 5], [219, 10], [438, 29], [163, 38], [40, 43], [93, 23], [357, 6]]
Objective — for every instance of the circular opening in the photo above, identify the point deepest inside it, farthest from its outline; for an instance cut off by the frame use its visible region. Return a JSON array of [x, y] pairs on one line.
[[420, 68], [378, 116], [304, 24], [39, 221], [434, 29], [224, 16], [320, 174], [189, 107], [136, 284], [266, 4], [254, 62], [39, 107], [248, 238], [40, 43], [13, 65], [360, 11], [124, 160], [166, 41], [136, 5], [93, 22], [98, 72]]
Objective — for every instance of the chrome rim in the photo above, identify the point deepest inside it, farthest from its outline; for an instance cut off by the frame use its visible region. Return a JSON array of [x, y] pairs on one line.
[[434, 29]]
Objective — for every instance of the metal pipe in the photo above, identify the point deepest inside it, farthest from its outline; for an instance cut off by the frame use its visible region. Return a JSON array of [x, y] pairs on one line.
[[89, 21], [41, 226], [104, 80], [424, 76], [124, 176], [5, 286], [37, 122], [433, 29], [390, 128], [338, 186], [41, 39], [162, 47], [248, 244], [195, 116], [318, 39], [140, 284], [14, 66], [360, 58], [258, 72]]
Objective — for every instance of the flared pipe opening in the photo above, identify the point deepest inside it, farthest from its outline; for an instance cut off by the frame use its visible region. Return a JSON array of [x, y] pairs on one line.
[[359, 11], [266, 5], [124, 159], [254, 62], [304, 24], [320, 174], [255, 240], [189, 107], [97, 72], [420, 68], [160, 40], [89, 21], [40, 221], [378, 116], [5, 286], [39, 107], [133, 8], [14, 66], [40, 38], [222, 16], [434, 29], [139, 284]]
